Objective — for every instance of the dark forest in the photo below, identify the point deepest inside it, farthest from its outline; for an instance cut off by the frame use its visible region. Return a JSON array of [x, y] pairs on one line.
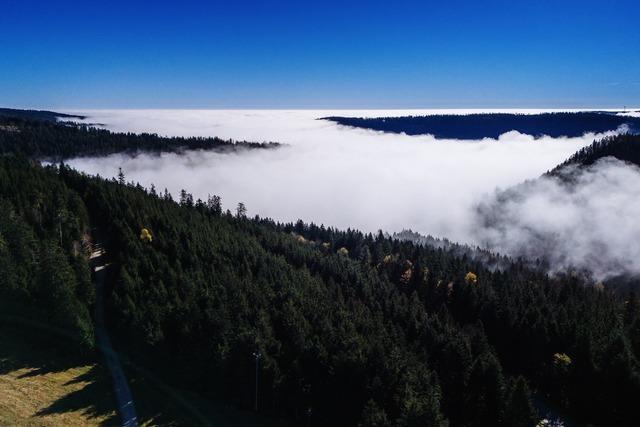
[[492, 125]]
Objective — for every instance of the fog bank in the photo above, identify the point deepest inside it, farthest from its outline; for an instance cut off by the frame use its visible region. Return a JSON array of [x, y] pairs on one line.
[[331, 174], [356, 178], [584, 218]]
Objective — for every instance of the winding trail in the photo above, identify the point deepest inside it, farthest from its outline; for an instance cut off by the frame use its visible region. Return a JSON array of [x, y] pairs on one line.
[[123, 395]]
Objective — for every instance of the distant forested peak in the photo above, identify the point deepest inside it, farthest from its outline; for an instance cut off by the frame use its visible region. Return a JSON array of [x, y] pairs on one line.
[[492, 125], [625, 147]]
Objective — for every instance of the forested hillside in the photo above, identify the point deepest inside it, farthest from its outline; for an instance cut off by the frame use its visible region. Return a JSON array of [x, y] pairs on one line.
[[45, 139], [624, 147], [352, 328], [44, 273], [492, 125]]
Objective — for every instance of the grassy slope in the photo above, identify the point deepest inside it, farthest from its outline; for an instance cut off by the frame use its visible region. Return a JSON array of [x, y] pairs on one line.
[[37, 387]]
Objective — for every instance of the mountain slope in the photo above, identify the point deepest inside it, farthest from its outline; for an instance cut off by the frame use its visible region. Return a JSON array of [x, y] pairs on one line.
[[492, 125], [355, 327]]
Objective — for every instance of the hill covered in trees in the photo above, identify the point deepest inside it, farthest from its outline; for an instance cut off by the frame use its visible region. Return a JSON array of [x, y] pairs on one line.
[[352, 328], [579, 216], [41, 138], [492, 125], [622, 147]]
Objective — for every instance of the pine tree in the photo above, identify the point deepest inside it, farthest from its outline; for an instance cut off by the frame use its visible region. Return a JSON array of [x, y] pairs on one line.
[[519, 410], [241, 210]]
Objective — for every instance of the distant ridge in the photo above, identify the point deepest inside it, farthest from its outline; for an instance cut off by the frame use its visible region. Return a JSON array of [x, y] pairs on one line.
[[492, 125], [49, 116], [40, 135]]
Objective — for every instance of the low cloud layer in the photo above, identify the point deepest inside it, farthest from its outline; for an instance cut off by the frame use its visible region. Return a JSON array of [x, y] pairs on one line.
[[338, 176]]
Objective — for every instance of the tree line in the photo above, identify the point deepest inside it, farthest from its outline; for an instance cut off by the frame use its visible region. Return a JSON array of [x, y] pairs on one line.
[[43, 139]]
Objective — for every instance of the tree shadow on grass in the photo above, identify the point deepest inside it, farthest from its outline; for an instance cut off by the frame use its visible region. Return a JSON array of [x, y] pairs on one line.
[[37, 352], [94, 400]]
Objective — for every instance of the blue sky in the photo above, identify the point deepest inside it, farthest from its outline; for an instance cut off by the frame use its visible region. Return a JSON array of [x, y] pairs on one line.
[[311, 54]]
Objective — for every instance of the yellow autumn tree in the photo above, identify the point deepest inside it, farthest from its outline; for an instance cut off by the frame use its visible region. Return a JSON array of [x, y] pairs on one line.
[[145, 235], [562, 360], [343, 251], [471, 277]]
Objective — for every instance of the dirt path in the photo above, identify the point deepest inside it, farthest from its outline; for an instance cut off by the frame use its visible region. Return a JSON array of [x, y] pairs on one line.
[[126, 407]]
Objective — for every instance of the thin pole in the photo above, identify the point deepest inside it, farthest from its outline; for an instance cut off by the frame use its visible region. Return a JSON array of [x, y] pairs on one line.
[[60, 226], [257, 355]]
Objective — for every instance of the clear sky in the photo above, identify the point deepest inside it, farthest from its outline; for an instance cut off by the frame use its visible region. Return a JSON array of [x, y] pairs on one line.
[[319, 54]]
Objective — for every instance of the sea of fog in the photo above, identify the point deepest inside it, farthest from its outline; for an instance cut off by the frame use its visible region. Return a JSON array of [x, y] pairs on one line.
[[340, 176]]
